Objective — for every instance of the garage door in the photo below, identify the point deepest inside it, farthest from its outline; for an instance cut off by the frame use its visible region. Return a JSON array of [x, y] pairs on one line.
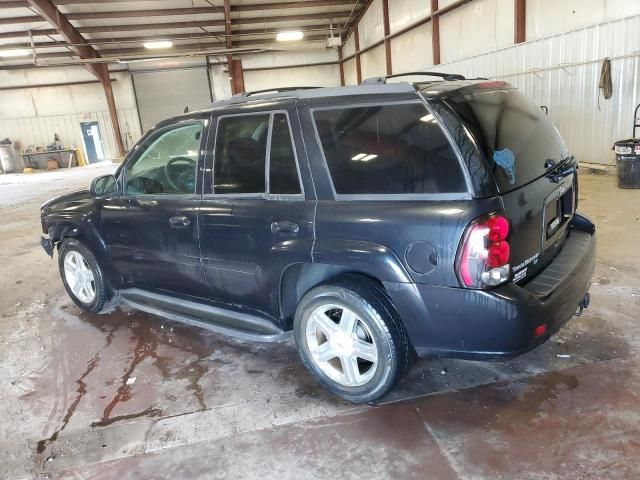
[[163, 94]]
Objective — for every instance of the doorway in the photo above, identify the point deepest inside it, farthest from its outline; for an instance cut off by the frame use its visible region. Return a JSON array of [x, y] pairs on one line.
[[92, 142]]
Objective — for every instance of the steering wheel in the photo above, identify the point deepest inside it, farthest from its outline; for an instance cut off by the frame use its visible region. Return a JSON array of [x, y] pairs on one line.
[[180, 173]]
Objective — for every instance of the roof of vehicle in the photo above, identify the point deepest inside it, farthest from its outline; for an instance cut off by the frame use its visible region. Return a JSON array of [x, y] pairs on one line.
[[450, 84]]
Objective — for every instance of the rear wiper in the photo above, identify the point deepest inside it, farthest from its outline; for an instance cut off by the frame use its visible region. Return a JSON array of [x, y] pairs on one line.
[[570, 166]]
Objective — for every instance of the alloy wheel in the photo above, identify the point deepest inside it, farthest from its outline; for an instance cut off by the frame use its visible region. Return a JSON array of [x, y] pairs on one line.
[[341, 345], [79, 277]]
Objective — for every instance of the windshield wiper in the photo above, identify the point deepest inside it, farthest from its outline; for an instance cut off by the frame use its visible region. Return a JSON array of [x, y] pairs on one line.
[[570, 166]]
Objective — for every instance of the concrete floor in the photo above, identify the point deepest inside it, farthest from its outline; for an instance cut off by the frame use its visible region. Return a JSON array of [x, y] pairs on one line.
[[129, 395]]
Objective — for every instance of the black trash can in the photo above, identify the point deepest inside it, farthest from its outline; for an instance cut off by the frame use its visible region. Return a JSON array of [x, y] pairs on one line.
[[628, 162]]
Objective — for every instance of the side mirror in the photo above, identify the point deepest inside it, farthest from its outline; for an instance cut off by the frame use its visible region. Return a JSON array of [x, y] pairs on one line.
[[103, 186]]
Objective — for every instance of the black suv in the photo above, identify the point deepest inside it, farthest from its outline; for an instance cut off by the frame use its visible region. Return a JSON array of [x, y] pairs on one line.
[[376, 222]]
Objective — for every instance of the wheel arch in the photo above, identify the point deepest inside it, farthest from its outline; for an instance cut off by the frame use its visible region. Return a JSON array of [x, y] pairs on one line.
[[299, 278], [86, 233]]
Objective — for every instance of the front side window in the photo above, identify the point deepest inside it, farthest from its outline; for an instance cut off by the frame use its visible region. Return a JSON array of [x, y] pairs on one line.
[[388, 149], [168, 162], [240, 154]]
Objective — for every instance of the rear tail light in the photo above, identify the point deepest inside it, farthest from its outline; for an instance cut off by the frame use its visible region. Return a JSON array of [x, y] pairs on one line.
[[483, 256]]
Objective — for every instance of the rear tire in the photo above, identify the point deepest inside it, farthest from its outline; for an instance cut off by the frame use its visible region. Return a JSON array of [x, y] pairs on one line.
[[83, 278], [352, 317]]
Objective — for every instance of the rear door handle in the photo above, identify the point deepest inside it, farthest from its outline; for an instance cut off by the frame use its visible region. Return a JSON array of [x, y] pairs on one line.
[[284, 226], [179, 222]]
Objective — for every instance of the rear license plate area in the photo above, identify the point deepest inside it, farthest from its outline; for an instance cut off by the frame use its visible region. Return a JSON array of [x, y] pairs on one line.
[[558, 210]]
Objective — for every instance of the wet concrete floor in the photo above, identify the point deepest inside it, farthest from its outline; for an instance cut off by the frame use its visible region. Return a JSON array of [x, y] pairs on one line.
[[130, 395]]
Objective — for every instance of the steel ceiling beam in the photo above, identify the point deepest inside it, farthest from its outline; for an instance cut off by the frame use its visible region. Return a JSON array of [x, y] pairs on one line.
[[356, 38], [17, 4], [387, 40], [235, 8], [114, 52], [189, 24], [236, 75], [169, 12], [63, 27], [520, 21], [210, 10], [435, 32], [174, 36]]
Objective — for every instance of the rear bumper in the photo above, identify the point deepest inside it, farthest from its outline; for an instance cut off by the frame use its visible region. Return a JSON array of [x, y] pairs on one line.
[[499, 323]]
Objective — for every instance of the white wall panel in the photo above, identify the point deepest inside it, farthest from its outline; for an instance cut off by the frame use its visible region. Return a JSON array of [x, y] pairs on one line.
[[373, 63], [403, 13], [562, 72], [371, 27], [350, 74], [412, 51], [322, 76], [34, 115], [477, 27], [349, 47], [445, 3], [38, 76], [545, 18], [289, 57], [220, 82], [40, 130]]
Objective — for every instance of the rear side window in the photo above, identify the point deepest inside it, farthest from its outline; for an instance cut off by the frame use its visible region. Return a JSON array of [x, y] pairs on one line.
[[240, 154], [388, 149], [283, 173]]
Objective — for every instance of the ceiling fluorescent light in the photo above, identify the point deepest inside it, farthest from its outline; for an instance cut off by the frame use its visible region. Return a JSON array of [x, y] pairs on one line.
[[290, 36], [155, 44], [359, 156], [427, 118], [369, 157], [14, 53]]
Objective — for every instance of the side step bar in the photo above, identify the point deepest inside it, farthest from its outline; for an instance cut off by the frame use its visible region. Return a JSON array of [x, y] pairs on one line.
[[227, 322]]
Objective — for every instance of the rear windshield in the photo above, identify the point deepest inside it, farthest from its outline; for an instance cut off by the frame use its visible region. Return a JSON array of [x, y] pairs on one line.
[[387, 149], [515, 135]]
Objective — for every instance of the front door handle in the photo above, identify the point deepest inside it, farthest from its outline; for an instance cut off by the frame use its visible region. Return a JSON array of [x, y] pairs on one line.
[[284, 226], [179, 222]]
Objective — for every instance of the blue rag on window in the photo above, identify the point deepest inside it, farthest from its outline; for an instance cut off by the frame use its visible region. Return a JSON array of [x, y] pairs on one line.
[[507, 160]]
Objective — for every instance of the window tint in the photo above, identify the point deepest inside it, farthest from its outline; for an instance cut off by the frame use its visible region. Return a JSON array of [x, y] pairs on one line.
[[515, 136], [283, 174], [240, 155], [167, 163], [388, 149]]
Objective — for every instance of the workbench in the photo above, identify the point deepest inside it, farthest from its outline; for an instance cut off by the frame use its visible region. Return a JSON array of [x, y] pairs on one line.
[[40, 159]]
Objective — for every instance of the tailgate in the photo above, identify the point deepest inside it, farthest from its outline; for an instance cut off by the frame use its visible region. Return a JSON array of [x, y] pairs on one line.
[[529, 162], [540, 213]]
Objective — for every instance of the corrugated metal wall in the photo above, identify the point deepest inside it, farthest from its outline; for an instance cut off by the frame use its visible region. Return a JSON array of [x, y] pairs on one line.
[[40, 130], [563, 71]]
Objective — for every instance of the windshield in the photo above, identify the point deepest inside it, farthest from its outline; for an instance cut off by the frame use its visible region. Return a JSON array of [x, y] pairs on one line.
[[514, 135]]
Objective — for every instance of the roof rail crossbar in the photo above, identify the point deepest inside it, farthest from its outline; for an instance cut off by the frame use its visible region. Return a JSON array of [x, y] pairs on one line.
[[273, 90], [444, 76]]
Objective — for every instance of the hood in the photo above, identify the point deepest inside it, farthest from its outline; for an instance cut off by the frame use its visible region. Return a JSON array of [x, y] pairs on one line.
[[77, 200]]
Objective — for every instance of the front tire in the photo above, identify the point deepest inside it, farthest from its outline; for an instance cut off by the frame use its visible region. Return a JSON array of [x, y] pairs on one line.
[[82, 277], [351, 339]]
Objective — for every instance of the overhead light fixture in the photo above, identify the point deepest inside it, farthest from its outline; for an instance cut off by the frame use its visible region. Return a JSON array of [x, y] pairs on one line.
[[427, 118], [157, 44], [364, 157], [290, 36], [14, 53]]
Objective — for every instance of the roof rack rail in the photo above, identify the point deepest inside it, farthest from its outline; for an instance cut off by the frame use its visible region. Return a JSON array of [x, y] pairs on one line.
[[444, 76], [273, 90]]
